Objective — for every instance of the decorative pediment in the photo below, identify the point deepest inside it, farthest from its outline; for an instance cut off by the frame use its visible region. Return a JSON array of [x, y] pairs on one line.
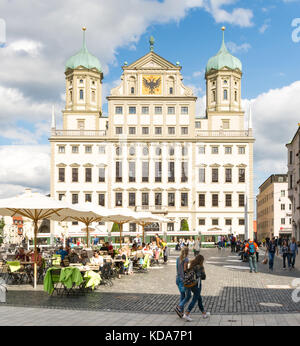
[[228, 165], [74, 165], [88, 165], [152, 61], [242, 165], [214, 165], [61, 165]]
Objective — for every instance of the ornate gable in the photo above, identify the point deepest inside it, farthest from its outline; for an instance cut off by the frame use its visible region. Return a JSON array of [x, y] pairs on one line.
[[151, 61]]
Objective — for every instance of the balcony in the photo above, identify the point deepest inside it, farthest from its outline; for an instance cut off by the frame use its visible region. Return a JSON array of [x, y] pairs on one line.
[[223, 133], [152, 208], [78, 133]]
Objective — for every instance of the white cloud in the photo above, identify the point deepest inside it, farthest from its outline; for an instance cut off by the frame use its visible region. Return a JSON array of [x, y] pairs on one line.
[[263, 28], [24, 166], [234, 48]]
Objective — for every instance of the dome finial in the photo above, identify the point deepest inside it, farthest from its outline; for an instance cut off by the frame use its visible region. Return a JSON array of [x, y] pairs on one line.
[[83, 42], [151, 41]]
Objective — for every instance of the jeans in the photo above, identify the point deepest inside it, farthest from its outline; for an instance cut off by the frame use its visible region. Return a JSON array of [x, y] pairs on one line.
[[292, 259], [196, 298], [181, 288], [252, 262], [286, 257], [271, 259]]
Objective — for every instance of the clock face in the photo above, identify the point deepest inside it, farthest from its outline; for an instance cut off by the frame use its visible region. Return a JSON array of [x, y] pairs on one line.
[[151, 85]]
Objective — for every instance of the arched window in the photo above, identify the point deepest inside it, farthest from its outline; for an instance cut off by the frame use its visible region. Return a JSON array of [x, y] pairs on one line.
[[171, 91], [235, 96], [81, 94], [71, 96], [214, 96], [132, 90], [225, 94], [93, 96]]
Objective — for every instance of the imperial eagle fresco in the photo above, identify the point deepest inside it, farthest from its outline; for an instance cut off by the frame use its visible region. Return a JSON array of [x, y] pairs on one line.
[[151, 85]]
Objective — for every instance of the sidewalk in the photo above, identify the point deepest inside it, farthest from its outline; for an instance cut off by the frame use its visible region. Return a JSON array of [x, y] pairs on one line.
[[19, 316]]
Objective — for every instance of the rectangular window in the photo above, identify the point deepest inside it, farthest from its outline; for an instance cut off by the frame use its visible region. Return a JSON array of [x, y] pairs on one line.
[[88, 175], [228, 175], [132, 110], [118, 199], [201, 175], [145, 130], [61, 196], [171, 172], [171, 130], [74, 198], [241, 200], [118, 171], [228, 222], [241, 175], [228, 202], [101, 149], [132, 130], [101, 175], [132, 227], [171, 110], [241, 150], [184, 130], [201, 222], [171, 199], [291, 157], [61, 149], [145, 199], [119, 130], [228, 150], [215, 200], [101, 199], [201, 150], [145, 110], [61, 175], [158, 110], [88, 149], [158, 199], [170, 227], [184, 110], [75, 149], [202, 200], [74, 175], [131, 199], [131, 171], [241, 222], [215, 175], [198, 124], [158, 131], [184, 199], [145, 172], [119, 110], [215, 150], [282, 192], [88, 197], [158, 171], [215, 222], [225, 124], [184, 172], [282, 206]]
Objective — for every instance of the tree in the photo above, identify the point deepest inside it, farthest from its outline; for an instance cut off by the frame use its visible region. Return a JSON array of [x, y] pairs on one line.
[[2, 224], [184, 225], [115, 228]]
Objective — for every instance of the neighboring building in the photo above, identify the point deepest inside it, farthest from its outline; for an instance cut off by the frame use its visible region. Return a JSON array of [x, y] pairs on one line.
[[294, 181], [274, 208], [18, 221], [152, 152]]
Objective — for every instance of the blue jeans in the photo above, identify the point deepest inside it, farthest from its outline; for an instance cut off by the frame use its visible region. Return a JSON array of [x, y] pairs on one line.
[[181, 288], [271, 260], [196, 298], [292, 259], [252, 262]]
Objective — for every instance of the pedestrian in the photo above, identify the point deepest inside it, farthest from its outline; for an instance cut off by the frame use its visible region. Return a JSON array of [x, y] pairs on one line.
[[197, 247], [181, 266], [285, 251], [219, 242], [251, 248], [232, 243], [271, 250], [197, 269], [293, 252]]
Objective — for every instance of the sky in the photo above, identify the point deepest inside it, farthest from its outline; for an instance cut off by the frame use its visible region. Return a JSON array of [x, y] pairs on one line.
[[37, 38]]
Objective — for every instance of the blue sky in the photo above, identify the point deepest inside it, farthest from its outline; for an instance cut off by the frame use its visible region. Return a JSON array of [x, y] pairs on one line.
[[40, 37]]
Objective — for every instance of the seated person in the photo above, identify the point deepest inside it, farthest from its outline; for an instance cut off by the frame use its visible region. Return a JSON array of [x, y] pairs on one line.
[[97, 259], [111, 250], [39, 258], [84, 258], [21, 256], [73, 257], [63, 253], [105, 247]]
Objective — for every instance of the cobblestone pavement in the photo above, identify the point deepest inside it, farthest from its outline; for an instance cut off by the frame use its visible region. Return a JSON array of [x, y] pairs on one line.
[[230, 289]]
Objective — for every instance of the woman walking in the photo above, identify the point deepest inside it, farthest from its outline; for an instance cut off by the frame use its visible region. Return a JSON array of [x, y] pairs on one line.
[[285, 250], [181, 266], [196, 265]]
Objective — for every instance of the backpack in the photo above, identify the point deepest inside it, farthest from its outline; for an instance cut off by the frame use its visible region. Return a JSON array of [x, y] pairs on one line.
[[190, 279], [251, 248]]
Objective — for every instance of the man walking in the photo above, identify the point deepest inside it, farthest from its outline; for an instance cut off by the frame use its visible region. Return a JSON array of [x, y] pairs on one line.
[[293, 252], [271, 250], [232, 243], [197, 247], [251, 248]]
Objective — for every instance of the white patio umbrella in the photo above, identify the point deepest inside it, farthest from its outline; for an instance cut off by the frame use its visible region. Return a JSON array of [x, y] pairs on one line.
[[121, 216], [37, 207], [147, 218]]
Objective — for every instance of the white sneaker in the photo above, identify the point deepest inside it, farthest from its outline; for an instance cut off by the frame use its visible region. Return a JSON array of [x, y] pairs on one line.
[[206, 315], [187, 317]]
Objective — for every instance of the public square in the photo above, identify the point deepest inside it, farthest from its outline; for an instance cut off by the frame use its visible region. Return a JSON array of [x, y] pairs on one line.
[[232, 294]]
